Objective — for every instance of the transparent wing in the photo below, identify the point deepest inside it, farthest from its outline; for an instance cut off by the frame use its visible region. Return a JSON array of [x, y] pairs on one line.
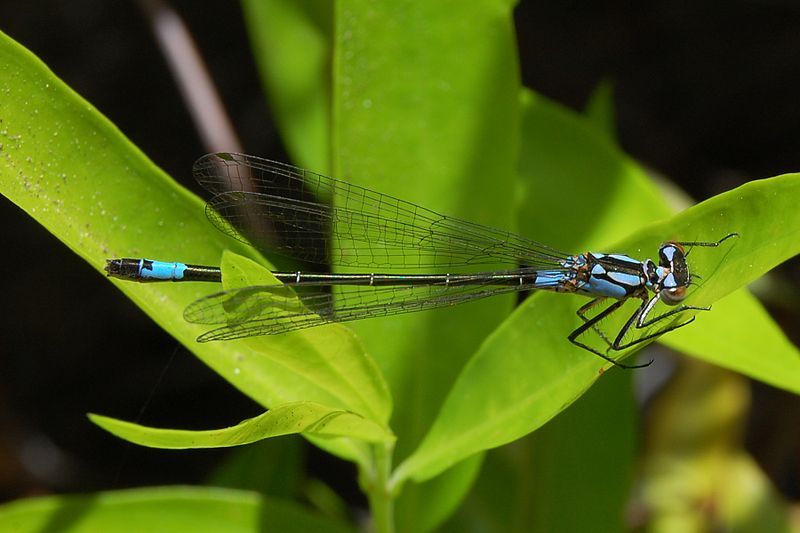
[[274, 309], [254, 198]]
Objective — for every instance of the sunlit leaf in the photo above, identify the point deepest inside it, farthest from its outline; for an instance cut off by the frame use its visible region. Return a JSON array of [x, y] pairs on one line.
[[287, 419], [195, 509], [525, 372]]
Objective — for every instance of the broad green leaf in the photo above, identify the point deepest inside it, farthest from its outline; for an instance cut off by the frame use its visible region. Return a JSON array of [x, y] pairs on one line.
[[526, 372], [569, 166], [425, 157], [164, 509], [600, 421], [291, 41], [748, 342], [548, 121], [500, 499], [584, 458], [287, 419], [326, 365], [561, 152], [411, 121], [763, 214], [437, 499], [68, 167]]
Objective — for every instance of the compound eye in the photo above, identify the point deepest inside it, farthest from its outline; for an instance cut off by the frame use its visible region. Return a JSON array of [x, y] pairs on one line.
[[673, 296], [670, 252]]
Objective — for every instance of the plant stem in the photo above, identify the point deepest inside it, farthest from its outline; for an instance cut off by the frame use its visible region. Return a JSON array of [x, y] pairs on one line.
[[381, 500]]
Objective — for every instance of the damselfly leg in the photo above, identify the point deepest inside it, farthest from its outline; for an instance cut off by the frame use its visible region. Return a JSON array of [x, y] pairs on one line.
[[668, 282]]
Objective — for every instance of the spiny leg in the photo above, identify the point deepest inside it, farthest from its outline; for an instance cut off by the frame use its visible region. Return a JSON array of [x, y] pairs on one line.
[[591, 323], [639, 319], [649, 336], [581, 312], [679, 309]]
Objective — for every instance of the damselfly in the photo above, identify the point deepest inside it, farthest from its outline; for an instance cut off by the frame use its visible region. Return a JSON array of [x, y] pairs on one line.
[[332, 221]]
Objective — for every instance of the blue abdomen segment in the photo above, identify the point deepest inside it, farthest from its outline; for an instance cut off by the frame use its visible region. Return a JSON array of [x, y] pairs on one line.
[[148, 270], [550, 279], [161, 270]]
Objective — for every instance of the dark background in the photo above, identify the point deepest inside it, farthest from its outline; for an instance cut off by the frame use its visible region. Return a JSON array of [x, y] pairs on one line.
[[707, 96]]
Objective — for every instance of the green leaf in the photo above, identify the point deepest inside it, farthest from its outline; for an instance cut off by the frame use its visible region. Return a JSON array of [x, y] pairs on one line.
[[325, 364], [291, 41], [609, 194], [287, 419], [584, 458], [526, 372], [437, 499], [392, 58], [193, 509], [381, 73], [739, 334], [76, 174]]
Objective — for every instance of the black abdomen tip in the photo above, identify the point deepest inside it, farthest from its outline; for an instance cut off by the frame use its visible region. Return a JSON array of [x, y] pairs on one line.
[[123, 268]]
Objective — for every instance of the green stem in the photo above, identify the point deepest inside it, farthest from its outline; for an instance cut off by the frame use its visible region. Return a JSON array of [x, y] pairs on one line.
[[376, 486]]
